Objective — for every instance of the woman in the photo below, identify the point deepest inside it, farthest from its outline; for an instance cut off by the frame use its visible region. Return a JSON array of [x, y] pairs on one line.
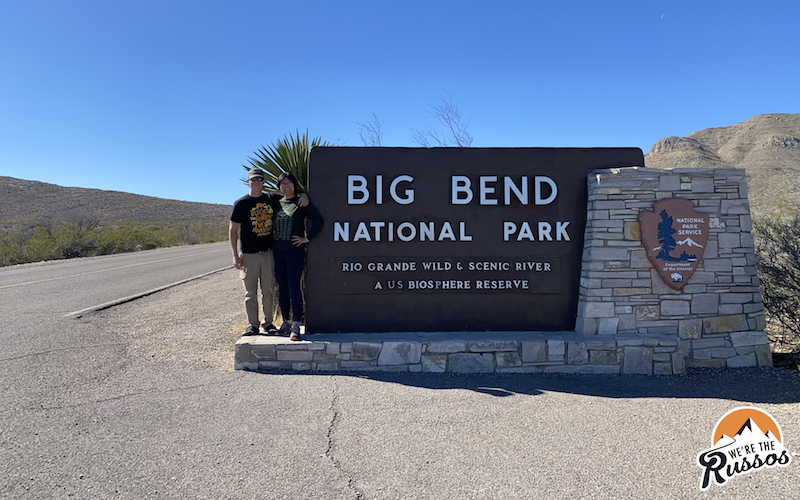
[[291, 237]]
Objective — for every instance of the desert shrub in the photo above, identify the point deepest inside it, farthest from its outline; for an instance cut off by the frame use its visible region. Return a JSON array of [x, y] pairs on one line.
[[32, 243], [778, 260]]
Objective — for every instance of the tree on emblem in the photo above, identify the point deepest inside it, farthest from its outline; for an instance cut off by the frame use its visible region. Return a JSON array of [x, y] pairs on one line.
[[665, 232]]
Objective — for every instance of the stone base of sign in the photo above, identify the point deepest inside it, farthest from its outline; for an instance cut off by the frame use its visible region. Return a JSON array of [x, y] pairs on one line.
[[503, 352], [718, 315]]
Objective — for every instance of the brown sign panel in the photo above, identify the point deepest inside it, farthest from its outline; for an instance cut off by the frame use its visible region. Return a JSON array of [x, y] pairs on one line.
[[449, 239], [675, 237]]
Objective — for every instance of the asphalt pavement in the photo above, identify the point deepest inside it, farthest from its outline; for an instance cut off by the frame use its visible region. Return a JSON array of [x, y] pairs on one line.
[[82, 416]]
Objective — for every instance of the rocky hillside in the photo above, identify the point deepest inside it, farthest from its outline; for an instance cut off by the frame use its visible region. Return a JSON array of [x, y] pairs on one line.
[[766, 146], [32, 201]]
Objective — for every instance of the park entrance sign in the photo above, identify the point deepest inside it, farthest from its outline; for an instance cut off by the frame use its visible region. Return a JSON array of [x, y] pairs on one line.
[[449, 239]]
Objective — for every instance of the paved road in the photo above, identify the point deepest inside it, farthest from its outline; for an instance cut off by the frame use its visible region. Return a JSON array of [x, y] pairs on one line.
[[83, 417]]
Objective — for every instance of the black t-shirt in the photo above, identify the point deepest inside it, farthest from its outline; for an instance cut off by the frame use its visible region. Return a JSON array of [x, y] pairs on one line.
[[255, 216]]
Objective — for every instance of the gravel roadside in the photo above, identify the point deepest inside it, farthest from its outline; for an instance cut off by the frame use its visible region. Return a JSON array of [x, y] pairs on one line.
[[197, 322]]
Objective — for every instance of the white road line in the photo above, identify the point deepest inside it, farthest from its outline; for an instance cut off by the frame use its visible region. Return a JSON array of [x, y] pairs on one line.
[[109, 269], [106, 305]]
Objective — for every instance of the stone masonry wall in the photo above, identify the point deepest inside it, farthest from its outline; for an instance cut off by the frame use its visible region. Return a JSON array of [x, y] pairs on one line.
[[718, 316]]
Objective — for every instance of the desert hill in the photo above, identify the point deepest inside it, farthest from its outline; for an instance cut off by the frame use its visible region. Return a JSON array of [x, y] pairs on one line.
[[32, 201], [767, 147]]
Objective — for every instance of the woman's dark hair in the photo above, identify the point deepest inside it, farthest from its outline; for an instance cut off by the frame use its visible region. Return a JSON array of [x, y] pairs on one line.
[[292, 178]]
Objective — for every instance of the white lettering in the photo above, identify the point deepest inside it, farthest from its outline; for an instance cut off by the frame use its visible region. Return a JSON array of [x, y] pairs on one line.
[[460, 184], [486, 190], [357, 184], [521, 192], [537, 187], [408, 192]]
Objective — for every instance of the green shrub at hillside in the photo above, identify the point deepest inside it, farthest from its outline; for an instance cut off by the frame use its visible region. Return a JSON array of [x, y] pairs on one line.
[[34, 243]]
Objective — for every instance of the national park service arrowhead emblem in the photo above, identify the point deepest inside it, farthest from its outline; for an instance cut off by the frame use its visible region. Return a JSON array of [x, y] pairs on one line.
[[675, 237]]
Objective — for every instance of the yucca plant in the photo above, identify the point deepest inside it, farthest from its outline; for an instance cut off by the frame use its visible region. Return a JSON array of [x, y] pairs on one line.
[[289, 154]]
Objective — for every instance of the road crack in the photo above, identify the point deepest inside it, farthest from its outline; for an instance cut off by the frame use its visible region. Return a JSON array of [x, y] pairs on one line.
[[330, 451]]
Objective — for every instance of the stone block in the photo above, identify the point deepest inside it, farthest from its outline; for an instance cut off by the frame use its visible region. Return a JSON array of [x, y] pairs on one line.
[[763, 355], [332, 347], [295, 356], [661, 356], [599, 310], [534, 352], [400, 353], [742, 361], [705, 303], [734, 207], [662, 368], [507, 359], [273, 365], [471, 363], [493, 345], [723, 324], [365, 351], [690, 328], [585, 326], [243, 356], [577, 353], [447, 346], [703, 185], [301, 367], [729, 309], [710, 342], [600, 345], [735, 298], [674, 307], [434, 363], [263, 351], [609, 254], [719, 265], [739, 339], [723, 352], [678, 363], [648, 313], [633, 232], [603, 357], [702, 353], [669, 182], [607, 326], [556, 347], [638, 360]]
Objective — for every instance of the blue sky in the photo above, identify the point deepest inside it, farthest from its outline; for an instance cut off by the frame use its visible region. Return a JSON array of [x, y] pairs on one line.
[[169, 98]]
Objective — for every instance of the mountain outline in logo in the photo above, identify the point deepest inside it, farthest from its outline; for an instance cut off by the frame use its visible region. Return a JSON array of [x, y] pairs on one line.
[[744, 440]]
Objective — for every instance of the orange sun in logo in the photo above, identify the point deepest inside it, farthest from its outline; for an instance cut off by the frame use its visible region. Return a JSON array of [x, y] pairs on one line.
[[733, 421]]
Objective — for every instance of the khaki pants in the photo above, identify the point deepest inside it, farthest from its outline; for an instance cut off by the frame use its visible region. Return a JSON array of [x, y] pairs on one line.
[[258, 268]]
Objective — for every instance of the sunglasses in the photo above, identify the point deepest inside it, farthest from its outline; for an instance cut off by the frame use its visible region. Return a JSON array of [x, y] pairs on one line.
[[257, 179]]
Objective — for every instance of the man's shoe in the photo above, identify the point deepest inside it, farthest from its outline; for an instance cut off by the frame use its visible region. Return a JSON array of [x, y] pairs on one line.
[[251, 330], [270, 329]]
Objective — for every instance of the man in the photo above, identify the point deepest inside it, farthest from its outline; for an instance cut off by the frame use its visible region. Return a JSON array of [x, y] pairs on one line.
[[252, 214]]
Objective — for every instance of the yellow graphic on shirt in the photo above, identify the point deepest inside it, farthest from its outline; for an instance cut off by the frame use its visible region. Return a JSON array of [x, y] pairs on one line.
[[261, 219]]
